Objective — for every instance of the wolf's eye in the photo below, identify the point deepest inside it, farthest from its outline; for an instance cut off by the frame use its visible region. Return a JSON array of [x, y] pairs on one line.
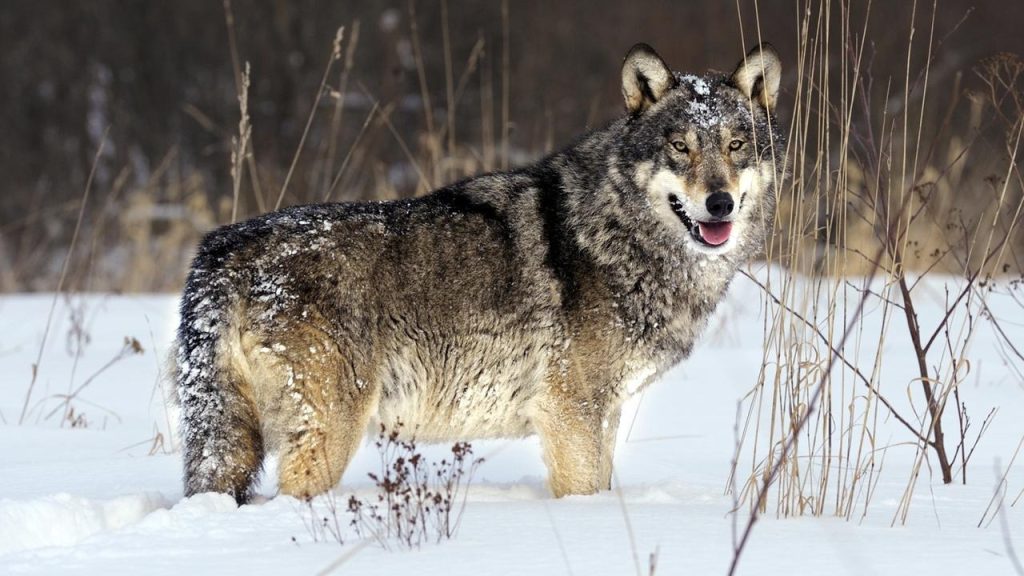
[[680, 146], [736, 145]]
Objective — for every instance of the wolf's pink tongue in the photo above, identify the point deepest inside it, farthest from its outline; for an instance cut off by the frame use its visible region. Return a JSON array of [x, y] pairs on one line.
[[715, 233]]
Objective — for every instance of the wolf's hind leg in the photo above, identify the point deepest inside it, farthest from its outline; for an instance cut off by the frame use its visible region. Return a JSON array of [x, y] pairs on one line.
[[319, 412], [222, 445], [313, 460], [314, 457]]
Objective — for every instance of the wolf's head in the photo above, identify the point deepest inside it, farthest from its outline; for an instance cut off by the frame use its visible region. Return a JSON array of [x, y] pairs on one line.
[[703, 151]]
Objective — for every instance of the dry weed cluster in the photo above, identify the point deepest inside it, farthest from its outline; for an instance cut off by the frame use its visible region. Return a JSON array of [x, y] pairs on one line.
[[415, 501]]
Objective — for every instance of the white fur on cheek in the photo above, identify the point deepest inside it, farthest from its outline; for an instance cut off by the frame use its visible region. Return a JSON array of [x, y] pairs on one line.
[[665, 182], [659, 187], [750, 183]]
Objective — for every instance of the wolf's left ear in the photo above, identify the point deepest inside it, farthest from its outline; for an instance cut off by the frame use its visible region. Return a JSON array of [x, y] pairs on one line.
[[645, 78], [758, 75]]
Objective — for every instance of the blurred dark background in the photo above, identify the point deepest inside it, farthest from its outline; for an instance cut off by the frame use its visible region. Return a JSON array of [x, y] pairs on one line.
[[157, 83]]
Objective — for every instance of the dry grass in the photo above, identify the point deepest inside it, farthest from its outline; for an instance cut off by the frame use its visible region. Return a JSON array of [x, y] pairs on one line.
[[886, 192]]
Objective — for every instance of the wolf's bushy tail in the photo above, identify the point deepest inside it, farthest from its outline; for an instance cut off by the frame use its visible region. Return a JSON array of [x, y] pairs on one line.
[[220, 430]]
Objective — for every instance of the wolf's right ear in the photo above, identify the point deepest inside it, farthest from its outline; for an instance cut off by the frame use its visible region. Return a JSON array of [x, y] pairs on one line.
[[645, 78]]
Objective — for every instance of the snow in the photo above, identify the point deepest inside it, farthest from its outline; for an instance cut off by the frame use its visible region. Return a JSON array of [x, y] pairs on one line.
[[702, 109], [65, 520], [107, 498], [700, 85]]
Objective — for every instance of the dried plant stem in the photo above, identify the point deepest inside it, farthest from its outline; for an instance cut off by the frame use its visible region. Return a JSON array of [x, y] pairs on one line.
[[351, 150], [236, 66], [339, 108], [63, 275], [505, 84], [999, 493], [240, 143], [416, 501], [449, 83], [471, 65], [335, 55], [131, 346], [629, 526], [558, 538], [341, 560], [838, 353], [386, 119], [433, 143]]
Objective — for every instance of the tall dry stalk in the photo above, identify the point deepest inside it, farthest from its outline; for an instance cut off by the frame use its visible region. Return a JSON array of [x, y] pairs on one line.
[[236, 68], [330, 147], [506, 84], [240, 143], [449, 84], [63, 275], [433, 143], [335, 56]]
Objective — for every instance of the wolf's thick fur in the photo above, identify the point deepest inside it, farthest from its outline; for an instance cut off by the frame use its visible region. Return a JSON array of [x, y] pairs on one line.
[[527, 302]]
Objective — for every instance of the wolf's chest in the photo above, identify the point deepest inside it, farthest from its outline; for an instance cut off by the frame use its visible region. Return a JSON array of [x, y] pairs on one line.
[[664, 316]]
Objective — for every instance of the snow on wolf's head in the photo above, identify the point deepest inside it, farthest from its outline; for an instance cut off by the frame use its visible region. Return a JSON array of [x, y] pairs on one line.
[[704, 152]]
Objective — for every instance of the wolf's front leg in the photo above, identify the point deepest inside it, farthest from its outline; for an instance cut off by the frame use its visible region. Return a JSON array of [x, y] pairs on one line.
[[577, 432]]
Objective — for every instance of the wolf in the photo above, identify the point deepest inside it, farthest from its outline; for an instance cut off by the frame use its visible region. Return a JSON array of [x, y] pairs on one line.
[[533, 301]]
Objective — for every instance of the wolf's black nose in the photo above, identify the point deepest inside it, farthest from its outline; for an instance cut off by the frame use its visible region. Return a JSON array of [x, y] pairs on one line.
[[720, 204]]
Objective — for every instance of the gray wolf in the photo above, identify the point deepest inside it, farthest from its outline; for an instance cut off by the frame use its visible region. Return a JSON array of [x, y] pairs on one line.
[[526, 302]]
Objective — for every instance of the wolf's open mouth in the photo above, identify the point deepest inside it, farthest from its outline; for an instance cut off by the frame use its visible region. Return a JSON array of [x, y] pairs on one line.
[[707, 233]]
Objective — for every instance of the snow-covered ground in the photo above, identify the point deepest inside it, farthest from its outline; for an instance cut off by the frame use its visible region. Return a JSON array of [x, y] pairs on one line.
[[94, 500]]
